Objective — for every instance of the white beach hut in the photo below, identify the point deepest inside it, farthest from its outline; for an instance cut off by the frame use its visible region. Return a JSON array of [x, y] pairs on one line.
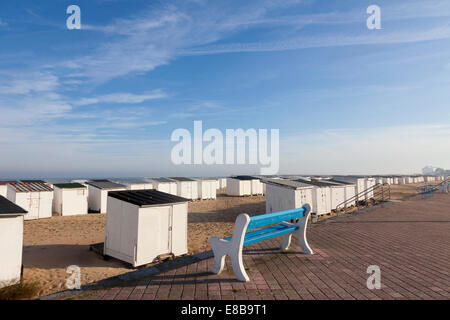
[[134, 184], [239, 186], [4, 187], [358, 181], [70, 199], [187, 187], [350, 192], [321, 196], [257, 187], [98, 194], [369, 184], [222, 183], [164, 185], [286, 194], [11, 242], [338, 192], [401, 180], [206, 188], [34, 197], [143, 224]]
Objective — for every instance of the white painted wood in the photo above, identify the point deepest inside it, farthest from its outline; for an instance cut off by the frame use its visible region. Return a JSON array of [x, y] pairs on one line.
[[206, 189], [3, 190], [279, 198], [11, 241], [337, 195], [70, 201], [236, 187], [98, 198], [139, 235], [257, 187], [187, 189], [38, 204]]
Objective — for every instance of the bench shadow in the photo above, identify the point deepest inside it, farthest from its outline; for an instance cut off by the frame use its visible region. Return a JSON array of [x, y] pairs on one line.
[[269, 251], [62, 255]]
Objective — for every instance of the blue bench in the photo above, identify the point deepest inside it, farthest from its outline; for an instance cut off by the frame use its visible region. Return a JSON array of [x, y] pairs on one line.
[[271, 225]]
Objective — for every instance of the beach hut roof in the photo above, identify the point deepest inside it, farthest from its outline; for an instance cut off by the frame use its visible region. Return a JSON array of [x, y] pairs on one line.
[[245, 178], [181, 179], [30, 186], [162, 179], [315, 183], [340, 182], [4, 182], [132, 181], [9, 208], [57, 181], [104, 184], [288, 183], [147, 198], [73, 185]]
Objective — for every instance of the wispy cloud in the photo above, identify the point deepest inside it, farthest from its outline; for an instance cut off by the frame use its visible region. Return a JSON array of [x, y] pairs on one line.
[[304, 42], [122, 98], [28, 82], [155, 37]]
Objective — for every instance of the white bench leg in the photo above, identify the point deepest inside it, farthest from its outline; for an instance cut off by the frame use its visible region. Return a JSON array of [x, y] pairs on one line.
[[219, 248], [232, 248], [238, 266], [301, 235], [286, 243]]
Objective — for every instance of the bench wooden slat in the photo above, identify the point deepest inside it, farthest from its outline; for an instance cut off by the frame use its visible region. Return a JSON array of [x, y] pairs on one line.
[[275, 217], [266, 233]]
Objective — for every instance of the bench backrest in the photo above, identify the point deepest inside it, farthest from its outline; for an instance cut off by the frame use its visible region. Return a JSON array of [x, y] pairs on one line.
[[275, 217]]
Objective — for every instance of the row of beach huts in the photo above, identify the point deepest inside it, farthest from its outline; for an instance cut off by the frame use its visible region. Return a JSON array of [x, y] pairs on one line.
[[148, 217], [43, 198]]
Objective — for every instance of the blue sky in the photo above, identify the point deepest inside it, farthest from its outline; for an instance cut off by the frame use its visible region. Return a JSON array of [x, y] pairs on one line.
[[104, 100]]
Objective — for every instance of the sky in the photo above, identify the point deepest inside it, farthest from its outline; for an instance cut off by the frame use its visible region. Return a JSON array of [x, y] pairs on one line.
[[104, 100]]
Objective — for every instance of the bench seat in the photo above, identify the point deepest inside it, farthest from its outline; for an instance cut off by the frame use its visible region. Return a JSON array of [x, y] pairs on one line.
[[266, 233]]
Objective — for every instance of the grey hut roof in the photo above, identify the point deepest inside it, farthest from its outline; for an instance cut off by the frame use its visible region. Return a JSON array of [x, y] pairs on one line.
[[147, 198], [288, 183], [10, 208], [340, 182], [104, 184], [315, 183]]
